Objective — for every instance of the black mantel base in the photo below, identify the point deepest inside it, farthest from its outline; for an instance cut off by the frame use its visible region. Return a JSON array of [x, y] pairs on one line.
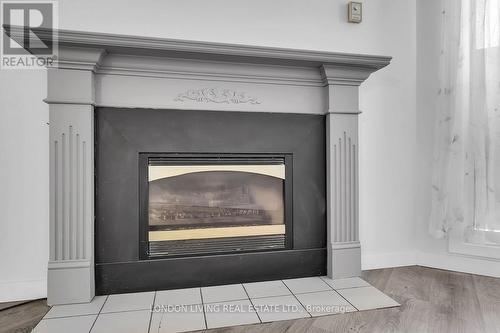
[[147, 275]]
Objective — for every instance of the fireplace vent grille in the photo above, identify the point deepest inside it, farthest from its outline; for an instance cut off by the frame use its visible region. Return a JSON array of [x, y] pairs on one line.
[[215, 245]]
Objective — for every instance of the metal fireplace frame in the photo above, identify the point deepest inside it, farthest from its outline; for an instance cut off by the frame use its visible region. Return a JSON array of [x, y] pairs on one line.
[[213, 158]]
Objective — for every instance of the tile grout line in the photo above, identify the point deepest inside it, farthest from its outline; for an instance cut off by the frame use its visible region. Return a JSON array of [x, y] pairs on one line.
[[261, 297], [310, 315], [310, 292], [228, 300], [369, 285], [346, 300], [125, 311], [326, 283], [151, 311], [72, 316], [98, 314], [335, 290], [203, 307], [357, 287], [253, 306]]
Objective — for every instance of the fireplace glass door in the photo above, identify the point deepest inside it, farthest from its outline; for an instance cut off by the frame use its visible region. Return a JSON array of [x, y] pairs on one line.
[[215, 204]]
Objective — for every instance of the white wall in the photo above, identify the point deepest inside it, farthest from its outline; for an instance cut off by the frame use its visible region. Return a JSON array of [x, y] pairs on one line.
[[24, 204], [387, 126], [428, 52]]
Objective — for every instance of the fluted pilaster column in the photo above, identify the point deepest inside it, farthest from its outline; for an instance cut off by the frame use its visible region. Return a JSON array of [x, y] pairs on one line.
[[344, 249], [70, 97]]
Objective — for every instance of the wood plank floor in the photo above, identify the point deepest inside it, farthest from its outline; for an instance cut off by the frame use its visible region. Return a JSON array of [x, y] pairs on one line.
[[22, 318], [431, 300]]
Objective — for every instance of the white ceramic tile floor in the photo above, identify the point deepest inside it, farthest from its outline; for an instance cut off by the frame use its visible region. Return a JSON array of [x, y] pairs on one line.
[[183, 319], [366, 298], [79, 324], [306, 285], [123, 322], [192, 309], [230, 314], [266, 289], [324, 303], [129, 302], [229, 292], [178, 297], [279, 308], [353, 282]]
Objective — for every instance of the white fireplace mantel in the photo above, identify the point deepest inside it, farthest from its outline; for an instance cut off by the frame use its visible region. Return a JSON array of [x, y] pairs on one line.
[[97, 70]]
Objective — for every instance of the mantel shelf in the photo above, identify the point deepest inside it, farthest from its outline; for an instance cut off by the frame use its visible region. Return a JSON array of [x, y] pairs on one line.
[[187, 49]]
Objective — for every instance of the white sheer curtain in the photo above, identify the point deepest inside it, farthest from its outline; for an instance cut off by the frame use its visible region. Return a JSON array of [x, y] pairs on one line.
[[466, 165]]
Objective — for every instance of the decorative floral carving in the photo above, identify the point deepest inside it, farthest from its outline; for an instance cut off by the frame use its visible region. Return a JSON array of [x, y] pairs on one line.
[[216, 95]]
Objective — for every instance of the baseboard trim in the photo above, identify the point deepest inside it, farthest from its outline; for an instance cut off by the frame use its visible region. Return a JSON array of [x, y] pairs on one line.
[[11, 291], [460, 263], [450, 262], [70, 282], [344, 260]]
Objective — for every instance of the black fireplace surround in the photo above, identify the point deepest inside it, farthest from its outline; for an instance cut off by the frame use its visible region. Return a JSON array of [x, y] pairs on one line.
[[124, 138]]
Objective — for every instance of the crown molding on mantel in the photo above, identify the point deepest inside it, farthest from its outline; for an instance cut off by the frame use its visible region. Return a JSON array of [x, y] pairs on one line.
[[149, 46]]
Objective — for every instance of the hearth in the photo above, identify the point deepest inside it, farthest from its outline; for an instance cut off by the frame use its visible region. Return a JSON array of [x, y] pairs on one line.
[[195, 204]]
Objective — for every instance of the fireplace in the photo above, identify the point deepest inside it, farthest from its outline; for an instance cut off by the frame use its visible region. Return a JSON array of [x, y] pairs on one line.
[[120, 105], [203, 193], [201, 204]]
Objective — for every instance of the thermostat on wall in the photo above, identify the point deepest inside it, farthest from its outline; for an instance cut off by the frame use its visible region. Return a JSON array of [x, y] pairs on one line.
[[355, 12]]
